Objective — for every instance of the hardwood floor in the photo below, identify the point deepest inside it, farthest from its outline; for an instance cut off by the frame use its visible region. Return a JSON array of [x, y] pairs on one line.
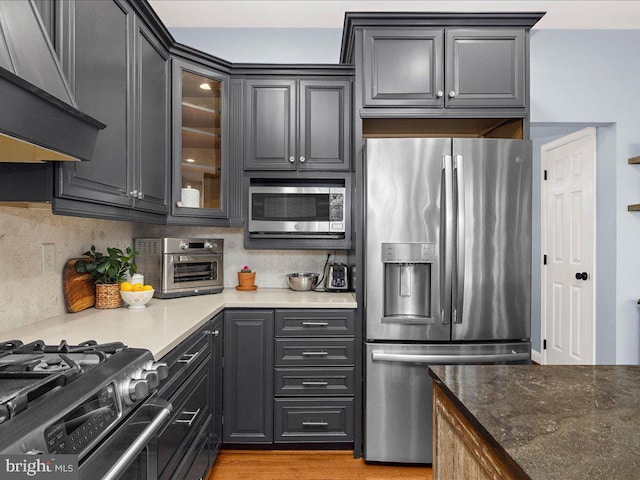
[[307, 465]]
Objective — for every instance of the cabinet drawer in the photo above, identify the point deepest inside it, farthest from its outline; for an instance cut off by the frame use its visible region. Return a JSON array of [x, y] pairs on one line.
[[313, 420], [302, 323], [196, 462], [314, 381], [309, 351], [183, 360], [191, 410]]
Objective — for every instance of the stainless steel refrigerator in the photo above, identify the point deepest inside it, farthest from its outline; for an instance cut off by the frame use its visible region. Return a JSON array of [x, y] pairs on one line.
[[447, 275]]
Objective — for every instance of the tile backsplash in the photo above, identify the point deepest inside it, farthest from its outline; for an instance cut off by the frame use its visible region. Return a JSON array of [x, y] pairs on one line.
[[27, 295]]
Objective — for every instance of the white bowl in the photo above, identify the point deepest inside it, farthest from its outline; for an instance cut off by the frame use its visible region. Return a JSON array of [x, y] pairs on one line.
[[137, 300]]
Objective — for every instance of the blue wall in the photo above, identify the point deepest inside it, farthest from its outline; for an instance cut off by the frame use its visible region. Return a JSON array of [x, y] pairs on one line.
[[578, 78]]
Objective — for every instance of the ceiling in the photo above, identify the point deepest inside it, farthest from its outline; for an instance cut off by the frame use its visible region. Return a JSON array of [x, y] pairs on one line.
[[561, 14]]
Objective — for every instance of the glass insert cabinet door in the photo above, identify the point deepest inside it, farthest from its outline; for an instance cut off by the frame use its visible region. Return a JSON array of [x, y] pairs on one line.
[[199, 155]]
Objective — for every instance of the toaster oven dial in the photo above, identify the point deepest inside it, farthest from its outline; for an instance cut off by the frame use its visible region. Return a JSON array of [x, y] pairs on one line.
[[183, 245], [208, 245]]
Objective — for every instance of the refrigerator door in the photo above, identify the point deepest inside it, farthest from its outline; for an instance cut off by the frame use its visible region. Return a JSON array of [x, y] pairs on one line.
[[405, 244], [399, 407], [491, 281]]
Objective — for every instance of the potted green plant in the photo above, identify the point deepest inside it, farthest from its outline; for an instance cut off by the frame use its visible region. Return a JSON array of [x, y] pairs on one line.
[[108, 271]]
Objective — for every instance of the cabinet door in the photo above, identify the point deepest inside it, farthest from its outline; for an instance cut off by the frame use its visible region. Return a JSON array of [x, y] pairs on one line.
[[151, 176], [485, 68], [100, 36], [325, 122], [200, 122], [217, 390], [270, 125], [248, 376], [403, 67]]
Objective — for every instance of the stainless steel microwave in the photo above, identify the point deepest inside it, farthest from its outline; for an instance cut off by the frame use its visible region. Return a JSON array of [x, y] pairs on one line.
[[297, 211]]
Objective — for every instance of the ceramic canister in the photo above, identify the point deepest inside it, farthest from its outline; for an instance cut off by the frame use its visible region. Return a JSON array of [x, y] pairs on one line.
[[190, 197]]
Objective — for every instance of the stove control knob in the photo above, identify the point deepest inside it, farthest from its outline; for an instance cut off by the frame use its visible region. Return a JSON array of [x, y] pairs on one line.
[[161, 368], [136, 389], [151, 378]]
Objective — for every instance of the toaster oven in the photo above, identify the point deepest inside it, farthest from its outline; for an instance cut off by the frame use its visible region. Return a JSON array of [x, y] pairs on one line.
[[178, 267]]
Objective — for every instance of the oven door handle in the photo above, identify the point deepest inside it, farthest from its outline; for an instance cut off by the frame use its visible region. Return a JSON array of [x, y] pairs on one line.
[[154, 414]]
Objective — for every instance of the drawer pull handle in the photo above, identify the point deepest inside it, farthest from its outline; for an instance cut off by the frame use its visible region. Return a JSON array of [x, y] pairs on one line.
[[315, 424], [315, 384], [315, 354], [191, 420], [188, 358], [315, 324]]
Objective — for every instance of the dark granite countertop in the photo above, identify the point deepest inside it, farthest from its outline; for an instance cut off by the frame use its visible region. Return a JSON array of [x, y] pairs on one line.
[[556, 422]]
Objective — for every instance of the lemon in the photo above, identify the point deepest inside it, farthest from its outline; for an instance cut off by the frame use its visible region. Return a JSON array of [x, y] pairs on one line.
[[147, 287], [137, 287], [126, 287]]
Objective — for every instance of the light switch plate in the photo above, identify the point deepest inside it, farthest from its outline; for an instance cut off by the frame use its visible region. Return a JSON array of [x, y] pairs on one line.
[[48, 258]]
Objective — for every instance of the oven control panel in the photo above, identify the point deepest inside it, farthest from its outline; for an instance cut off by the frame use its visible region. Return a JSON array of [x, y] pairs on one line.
[[81, 427]]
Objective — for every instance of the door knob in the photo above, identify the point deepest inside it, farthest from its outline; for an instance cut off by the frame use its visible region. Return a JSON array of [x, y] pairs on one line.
[[582, 276]]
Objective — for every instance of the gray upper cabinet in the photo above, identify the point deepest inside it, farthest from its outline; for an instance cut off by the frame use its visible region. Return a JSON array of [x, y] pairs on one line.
[[444, 68], [99, 37], [403, 67], [200, 133], [485, 68], [270, 124], [119, 74], [325, 122], [151, 180], [297, 124]]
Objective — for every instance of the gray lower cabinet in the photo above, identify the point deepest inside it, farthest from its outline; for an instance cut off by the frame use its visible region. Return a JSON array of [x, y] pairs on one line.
[[119, 74], [297, 124], [248, 377], [188, 445], [315, 365], [289, 376], [444, 68]]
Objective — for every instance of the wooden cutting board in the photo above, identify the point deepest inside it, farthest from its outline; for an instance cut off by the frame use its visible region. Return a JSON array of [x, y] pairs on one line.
[[79, 288]]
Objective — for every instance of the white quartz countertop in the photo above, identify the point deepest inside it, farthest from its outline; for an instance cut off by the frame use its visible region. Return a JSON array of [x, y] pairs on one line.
[[166, 322]]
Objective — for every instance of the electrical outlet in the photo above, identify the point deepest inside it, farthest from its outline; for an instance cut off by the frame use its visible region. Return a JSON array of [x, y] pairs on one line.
[[48, 258]]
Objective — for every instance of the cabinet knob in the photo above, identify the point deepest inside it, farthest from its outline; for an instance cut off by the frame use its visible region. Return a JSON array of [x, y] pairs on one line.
[[452, 94], [439, 93], [302, 159], [292, 159], [133, 193], [140, 194]]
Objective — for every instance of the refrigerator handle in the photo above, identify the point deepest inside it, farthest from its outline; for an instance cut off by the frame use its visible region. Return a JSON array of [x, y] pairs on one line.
[[449, 359], [457, 286], [446, 239]]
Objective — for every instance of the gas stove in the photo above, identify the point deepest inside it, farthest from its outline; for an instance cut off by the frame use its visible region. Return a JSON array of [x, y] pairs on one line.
[[68, 399]]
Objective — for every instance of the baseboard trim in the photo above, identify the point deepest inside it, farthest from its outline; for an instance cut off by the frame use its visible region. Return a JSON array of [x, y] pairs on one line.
[[536, 357]]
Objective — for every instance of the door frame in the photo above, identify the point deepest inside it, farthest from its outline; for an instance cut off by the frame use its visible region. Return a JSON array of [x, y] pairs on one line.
[[590, 132]]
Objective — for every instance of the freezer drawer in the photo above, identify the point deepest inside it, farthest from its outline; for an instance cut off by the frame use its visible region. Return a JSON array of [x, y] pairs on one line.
[[398, 405]]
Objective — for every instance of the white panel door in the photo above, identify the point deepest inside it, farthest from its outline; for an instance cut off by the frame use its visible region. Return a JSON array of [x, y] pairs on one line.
[[568, 241]]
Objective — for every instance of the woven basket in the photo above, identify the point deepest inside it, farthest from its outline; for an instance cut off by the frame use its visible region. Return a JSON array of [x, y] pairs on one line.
[[108, 295]]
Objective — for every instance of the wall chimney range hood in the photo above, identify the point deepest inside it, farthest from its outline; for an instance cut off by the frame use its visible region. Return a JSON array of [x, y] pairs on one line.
[[39, 118]]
